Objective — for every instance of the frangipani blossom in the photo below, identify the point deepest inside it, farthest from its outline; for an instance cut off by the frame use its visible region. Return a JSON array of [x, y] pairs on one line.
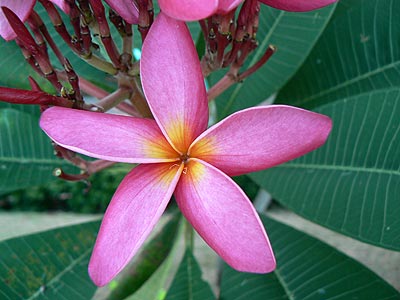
[[178, 155], [22, 8], [192, 10], [127, 9], [297, 5]]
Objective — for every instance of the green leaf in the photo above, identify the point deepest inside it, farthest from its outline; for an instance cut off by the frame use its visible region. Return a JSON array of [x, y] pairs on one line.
[[26, 154], [358, 52], [307, 269], [294, 34], [156, 286], [48, 265], [188, 284], [150, 257], [352, 183]]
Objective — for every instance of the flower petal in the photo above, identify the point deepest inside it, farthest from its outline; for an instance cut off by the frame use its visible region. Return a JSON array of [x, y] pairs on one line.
[[261, 137], [127, 9], [173, 83], [188, 10], [297, 5], [135, 208], [22, 8], [223, 215], [225, 6], [106, 136], [62, 4]]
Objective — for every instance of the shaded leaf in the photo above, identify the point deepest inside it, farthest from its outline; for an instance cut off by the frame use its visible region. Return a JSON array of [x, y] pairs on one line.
[[352, 183], [150, 257], [26, 154], [307, 269], [187, 283], [48, 265], [294, 34], [156, 286], [358, 52]]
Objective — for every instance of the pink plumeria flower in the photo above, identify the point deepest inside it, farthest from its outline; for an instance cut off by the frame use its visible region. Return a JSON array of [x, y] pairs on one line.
[[22, 8], [127, 9], [192, 10], [178, 155]]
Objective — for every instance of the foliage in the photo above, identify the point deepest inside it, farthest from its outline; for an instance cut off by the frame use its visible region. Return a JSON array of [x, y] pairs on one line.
[[342, 61]]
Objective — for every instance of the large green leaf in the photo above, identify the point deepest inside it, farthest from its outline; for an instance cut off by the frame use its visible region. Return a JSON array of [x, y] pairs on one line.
[[359, 51], [48, 265], [352, 183], [294, 34], [155, 288], [188, 284], [307, 269], [26, 154], [146, 262]]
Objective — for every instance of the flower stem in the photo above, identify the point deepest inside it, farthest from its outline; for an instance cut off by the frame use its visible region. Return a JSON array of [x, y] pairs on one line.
[[232, 76], [189, 236], [113, 99]]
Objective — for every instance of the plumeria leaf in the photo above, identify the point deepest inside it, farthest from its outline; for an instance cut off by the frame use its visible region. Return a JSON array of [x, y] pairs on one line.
[[358, 52], [150, 257], [352, 183], [48, 265], [156, 286], [306, 269], [187, 283], [26, 155], [14, 70], [294, 34]]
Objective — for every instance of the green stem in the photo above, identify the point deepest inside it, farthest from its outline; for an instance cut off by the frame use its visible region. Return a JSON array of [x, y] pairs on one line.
[[189, 236]]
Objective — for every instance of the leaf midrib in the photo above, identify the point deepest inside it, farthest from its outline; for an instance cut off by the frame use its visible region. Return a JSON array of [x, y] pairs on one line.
[[67, 269], [347, 83], [340, 168], [31, 160]]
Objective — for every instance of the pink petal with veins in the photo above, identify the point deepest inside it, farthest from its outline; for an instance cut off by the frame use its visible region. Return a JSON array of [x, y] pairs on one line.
[[297, 5], [261, 137], [225, 218], [189, 10], [22, 8], [135, 208], [106, 136], [127, 9], [62, 4], [225, 6], [173, 83]]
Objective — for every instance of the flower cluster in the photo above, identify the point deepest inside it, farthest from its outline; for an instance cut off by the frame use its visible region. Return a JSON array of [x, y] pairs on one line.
[[164, 128]]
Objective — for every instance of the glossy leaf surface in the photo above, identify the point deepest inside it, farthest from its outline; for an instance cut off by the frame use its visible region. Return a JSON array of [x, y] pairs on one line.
[[26, 155], [48, 265], [352, 183], [358, 52], [307, 269], [187, 283]]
